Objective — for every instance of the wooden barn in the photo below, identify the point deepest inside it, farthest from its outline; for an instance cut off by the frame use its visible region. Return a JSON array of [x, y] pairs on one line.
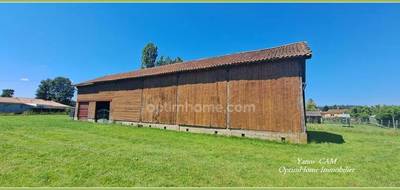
[[256, 94]]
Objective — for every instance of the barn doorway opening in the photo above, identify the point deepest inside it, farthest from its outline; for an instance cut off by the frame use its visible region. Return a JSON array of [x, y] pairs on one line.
[[102, 111]]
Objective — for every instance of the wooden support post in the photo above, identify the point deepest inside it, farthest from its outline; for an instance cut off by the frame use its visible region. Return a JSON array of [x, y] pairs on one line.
[[176, 100], [76, 110], [141, 103], [228, 97], [302, 98]]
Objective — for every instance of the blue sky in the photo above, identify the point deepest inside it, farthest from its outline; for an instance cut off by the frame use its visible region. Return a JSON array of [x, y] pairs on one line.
[[356, 47]]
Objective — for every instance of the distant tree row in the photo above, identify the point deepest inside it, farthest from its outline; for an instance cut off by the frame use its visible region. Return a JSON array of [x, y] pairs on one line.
[[326, 107], [150, 54], [382, 113], [167, 60]]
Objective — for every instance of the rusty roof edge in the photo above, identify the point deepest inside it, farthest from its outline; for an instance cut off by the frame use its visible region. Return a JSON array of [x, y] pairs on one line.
[[83, 83]]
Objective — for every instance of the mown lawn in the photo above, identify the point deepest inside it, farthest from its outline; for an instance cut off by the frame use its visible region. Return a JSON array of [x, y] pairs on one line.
[[55, 151]]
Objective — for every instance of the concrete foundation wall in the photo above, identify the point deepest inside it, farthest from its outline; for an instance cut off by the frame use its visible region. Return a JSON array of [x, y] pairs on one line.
[[298, 138]]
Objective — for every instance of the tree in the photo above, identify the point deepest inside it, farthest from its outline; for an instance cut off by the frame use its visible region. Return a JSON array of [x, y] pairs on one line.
[[161, 61], [7, 93], [325, 108], [387, 115], [167, 60], [62, 90], [178, 60], [311, 105], [59, 89], [361, 112], [44, 90], [149, 55]]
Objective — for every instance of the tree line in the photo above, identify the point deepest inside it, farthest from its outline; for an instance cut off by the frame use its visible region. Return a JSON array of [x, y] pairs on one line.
[[388, 115]]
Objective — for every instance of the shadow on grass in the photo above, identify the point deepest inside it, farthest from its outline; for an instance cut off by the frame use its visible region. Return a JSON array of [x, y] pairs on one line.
[[324, 137]]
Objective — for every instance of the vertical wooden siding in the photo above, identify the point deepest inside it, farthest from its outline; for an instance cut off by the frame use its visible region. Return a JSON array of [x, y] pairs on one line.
[[92, 110], [83, 110], [273, 90], [159, 99], [206, 89]]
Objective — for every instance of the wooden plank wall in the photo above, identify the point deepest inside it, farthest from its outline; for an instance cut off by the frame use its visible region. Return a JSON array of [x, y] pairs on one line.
[[273, 88], [83, 110], [124, 97], [158, 100], [126, 105], [92, 110], [200, 95]]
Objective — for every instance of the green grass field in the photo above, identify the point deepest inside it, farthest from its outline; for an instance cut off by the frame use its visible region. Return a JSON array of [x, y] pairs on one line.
[[55, 151]]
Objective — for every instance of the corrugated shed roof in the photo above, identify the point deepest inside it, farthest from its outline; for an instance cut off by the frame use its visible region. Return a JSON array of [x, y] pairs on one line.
[[313, 113], [299, 49], [32, 102], [335, 111]]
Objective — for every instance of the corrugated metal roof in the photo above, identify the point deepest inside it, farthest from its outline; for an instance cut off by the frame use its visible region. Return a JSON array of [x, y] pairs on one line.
[[335, 111], [313, 113], [299, 49]]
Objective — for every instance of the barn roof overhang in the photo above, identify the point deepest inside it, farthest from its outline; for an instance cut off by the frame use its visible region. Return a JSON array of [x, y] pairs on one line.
[[289, 51]]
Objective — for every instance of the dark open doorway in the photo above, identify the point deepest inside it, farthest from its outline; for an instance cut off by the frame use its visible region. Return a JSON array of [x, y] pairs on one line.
[[102, 111]]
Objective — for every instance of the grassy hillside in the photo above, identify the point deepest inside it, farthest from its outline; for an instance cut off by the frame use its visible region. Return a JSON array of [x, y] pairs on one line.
[[55, 151]]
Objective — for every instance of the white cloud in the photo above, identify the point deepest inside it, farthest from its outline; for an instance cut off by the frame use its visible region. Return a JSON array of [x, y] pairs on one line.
[[24, 79]]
